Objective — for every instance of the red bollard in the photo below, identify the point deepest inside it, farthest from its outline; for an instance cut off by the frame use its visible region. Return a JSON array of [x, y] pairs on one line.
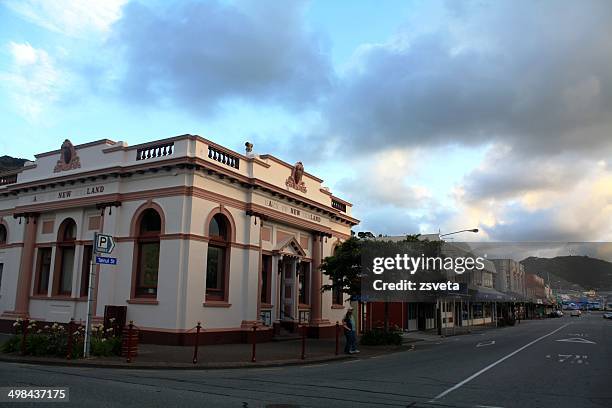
[[253, 359], [69, 345], [129, 342], [197, 339], [24, 333], [337, 338], [303, 342]]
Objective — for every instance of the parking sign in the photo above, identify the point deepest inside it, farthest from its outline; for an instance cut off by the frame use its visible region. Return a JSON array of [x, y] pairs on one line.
[[103, 243]]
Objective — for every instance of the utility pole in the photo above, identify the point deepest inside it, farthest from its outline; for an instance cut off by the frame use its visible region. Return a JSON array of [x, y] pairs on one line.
[[90, 299]]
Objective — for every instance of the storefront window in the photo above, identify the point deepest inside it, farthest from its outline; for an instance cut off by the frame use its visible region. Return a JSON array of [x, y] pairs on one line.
[[477, 311]]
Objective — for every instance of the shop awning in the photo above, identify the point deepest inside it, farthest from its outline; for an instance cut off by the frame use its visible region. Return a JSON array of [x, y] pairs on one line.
[[484, 294]]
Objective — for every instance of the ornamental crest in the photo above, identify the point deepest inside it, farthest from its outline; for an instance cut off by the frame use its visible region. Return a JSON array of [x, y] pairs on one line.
[[295, 180], [68, 158]]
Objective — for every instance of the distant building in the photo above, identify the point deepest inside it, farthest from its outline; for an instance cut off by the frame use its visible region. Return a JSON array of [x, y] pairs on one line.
[[510, 277], [536, 290]]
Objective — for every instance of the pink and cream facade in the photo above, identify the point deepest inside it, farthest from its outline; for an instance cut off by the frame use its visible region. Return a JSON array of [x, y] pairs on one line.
[[203, 234]]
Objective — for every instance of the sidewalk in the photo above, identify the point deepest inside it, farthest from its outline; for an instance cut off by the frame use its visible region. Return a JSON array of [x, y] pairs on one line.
[[268, 354], [432, 334]]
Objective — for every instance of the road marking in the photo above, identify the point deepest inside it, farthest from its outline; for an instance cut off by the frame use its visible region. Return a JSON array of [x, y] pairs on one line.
[[486, 343], [313, 365], [578, 340], [578, 358], [490, 366]]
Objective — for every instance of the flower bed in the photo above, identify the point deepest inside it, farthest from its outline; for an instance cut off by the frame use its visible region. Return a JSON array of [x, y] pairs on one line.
[[58, 340]]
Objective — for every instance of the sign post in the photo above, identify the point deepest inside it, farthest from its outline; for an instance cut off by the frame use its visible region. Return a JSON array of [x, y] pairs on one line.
[[103, 244]]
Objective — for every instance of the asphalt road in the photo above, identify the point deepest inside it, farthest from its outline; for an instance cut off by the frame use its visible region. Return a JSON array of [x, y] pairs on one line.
[[529, 365]]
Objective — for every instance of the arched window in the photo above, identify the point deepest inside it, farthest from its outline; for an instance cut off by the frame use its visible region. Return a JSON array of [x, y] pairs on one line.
[[149, 229], [64, 258], [3, 234], [217, 259]]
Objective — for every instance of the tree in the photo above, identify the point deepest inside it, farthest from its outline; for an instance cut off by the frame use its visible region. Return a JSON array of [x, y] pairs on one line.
[[344, 267]]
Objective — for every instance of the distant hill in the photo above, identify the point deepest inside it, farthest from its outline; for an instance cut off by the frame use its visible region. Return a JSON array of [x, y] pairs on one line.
[[572, 272], [10, 163]]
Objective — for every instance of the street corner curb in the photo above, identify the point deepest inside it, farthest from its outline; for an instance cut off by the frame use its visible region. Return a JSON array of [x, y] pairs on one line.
[[168, 366]]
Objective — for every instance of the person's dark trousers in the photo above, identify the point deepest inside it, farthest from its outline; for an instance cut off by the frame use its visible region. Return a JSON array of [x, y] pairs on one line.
[[348, 335], [353, 341]]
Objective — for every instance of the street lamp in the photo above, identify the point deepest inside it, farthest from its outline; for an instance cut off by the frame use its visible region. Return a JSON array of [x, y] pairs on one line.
[[457, 232]]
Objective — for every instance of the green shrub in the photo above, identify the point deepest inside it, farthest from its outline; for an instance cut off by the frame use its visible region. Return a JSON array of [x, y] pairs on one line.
[[378, 337], [12, 345], [104, 347], [37, 345]]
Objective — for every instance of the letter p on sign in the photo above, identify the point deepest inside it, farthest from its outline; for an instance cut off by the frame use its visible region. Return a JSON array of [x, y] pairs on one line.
[[104, 243]]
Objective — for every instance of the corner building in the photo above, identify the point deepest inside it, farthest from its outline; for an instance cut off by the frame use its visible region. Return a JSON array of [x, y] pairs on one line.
[[203, 234]]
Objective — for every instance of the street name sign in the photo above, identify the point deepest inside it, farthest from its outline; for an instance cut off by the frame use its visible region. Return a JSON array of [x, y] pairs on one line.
[[103, 243], [103, 260]]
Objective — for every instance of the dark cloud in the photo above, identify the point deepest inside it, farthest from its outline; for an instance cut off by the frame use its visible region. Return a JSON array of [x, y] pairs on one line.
[[198, 55], [533, 75], [506, 175], [540, 225]]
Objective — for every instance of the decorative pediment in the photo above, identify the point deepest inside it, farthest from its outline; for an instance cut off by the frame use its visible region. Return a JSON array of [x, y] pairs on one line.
[[291, 247], [69, 160]]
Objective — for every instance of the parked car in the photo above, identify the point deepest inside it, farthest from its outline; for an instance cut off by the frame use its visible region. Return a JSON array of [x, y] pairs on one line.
[[556, 313], [607, 315], [576, 313]]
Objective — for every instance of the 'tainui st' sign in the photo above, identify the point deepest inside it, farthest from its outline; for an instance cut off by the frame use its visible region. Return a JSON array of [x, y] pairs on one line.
[[103, 244]]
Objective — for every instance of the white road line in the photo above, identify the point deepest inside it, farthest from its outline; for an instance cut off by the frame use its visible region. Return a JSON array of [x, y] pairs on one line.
[[487, 368]]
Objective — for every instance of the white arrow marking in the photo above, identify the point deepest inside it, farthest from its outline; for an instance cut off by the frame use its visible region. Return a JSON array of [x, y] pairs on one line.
[[486, 343], [577, 340]]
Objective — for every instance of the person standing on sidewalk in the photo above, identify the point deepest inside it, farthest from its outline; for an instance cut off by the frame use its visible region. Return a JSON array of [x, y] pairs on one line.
[[349, 332]]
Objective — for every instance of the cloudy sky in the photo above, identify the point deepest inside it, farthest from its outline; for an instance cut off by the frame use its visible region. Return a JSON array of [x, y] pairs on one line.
[[426, 115]]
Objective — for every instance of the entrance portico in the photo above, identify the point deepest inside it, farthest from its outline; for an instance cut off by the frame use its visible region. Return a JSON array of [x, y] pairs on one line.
[[293, 277]]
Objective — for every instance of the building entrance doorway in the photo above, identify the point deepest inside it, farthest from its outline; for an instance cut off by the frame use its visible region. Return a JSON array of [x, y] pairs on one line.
[[288, 276]]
